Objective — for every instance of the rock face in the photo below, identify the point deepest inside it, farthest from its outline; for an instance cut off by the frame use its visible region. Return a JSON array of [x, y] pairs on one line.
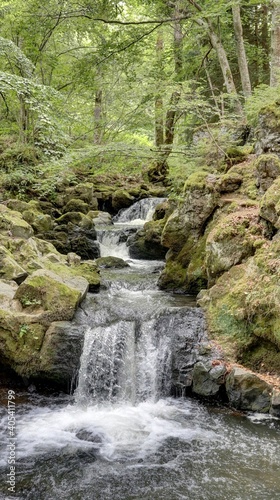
[[182, 231]]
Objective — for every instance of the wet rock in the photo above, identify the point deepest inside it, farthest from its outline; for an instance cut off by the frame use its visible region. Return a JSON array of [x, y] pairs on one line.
[[111, 262], [60, 354], [246, 391], [146, 242], [208, 378]]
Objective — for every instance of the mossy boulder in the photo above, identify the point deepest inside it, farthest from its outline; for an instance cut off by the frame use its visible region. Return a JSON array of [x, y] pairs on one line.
[[82, 191], [76, 205], [268, 129], [58, 296], [111, 262], [270, 204], [100, 218], [121, 199], [230, 182], [9, 268], [267, 169], [234, 237], [236, 154], [185, 272], [76, 219], [146, 242], [200, 201], [12, 224]]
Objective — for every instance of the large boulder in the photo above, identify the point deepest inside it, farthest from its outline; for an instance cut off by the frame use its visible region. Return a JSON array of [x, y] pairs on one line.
[[208, 378], [233, 238], [268, 130], [200, 201], [267, 170], [246, 391], [59, 296], [12, 224], [146, 242]]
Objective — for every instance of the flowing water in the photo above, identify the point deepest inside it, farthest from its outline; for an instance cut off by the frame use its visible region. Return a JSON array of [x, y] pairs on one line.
[[121, 436]]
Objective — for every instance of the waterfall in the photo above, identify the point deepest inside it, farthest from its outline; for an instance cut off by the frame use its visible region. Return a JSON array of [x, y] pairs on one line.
[[129, 345], [140, 212], [112, 239]]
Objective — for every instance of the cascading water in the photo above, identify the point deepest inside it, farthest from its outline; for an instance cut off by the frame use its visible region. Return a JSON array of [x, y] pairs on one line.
[[112, 239], [121, 436]]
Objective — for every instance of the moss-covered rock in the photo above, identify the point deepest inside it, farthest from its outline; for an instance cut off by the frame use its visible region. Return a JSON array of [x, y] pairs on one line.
[[229, 182], [270, 204], [77, 219], [268, 129], [12, 224], [267, 169], [236, 154], [76, 205], [111, 262], [82, 191], [100, 218], [121, 199], [234, 237], [57, 295], [9, 268], [243, 310], [146, 242]]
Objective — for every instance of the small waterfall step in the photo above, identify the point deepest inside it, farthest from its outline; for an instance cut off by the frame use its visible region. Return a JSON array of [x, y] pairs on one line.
[[112, 239], [138, 213]]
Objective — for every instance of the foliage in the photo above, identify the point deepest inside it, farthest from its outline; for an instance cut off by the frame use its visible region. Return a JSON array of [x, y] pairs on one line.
[[263, 95]]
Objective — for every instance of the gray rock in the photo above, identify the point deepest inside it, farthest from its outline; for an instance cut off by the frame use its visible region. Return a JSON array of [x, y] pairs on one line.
[[246, 391], [207, 379]]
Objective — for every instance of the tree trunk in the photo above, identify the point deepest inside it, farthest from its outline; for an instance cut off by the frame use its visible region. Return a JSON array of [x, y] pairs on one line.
[[159, 169], [98, 125], [221, 54], [159, 118], [275, 44], [241, 54]]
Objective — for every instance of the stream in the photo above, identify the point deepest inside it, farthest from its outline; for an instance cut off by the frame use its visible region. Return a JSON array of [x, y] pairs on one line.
[[120, 435]]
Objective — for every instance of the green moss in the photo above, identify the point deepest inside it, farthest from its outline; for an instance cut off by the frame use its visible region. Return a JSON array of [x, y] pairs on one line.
[[197, 180]]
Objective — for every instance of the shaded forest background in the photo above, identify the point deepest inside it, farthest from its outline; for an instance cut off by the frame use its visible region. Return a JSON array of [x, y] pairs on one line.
[[157, 86]]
